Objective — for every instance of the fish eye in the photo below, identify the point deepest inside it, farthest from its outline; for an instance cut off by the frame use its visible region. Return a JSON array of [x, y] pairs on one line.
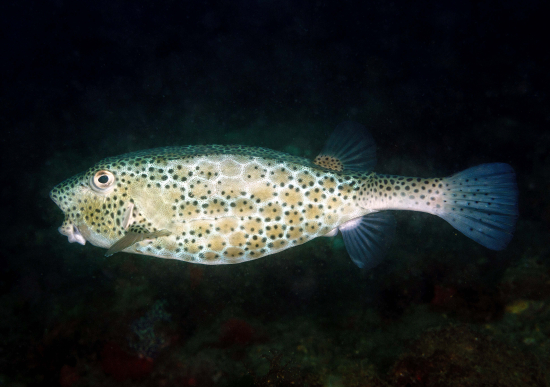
[[102, 180]]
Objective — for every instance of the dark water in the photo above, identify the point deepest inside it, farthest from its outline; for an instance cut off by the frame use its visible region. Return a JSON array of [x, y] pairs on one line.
[[442, 86]]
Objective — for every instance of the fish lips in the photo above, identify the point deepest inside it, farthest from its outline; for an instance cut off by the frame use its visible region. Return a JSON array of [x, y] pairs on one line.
[[73, 233]]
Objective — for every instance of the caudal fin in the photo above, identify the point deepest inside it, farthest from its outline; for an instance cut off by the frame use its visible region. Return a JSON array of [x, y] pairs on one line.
[[482, 203]]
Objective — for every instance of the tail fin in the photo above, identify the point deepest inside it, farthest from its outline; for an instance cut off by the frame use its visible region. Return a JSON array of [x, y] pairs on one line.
[[482, 203]]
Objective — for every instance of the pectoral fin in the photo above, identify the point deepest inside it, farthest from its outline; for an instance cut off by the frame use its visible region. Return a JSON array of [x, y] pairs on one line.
[[133, 235]]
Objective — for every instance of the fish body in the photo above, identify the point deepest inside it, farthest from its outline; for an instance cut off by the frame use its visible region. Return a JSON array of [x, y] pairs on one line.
[[229, 204]]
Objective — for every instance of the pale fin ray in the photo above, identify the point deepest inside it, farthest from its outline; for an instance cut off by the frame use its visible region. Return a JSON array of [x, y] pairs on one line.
[[128, 216], [368, 238], [482, 203], [134, 235], [352, 146]]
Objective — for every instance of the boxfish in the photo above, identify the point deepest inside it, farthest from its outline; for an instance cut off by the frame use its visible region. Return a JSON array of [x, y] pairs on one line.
[[222, 204]]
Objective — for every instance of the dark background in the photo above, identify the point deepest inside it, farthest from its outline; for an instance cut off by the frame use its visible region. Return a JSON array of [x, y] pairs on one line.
[[442, 86]]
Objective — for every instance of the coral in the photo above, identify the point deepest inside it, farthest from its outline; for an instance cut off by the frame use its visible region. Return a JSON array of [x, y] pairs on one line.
[[469, 304], [149, 341], [123, 366], [283, 375], [457, 356], [68, 376], [236, 332]]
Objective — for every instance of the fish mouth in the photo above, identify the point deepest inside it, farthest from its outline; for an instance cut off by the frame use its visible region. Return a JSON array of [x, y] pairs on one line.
[[73, 233]]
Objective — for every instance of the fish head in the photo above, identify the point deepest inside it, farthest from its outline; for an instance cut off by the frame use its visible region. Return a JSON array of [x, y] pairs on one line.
[[87, 201]]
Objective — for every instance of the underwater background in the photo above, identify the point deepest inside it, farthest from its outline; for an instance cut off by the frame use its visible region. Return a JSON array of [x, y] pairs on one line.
[[442, 86]]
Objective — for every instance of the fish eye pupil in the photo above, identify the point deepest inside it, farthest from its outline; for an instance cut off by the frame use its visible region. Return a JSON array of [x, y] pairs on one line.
[[103, 179]]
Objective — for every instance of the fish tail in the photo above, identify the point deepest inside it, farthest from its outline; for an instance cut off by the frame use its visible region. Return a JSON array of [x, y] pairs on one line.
[[482, 203]]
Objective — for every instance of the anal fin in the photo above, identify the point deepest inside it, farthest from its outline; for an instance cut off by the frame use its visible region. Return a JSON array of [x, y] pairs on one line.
[[134, 234], [368, 238]]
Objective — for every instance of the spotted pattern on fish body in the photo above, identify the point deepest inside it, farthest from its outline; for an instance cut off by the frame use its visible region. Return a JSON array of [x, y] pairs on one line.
[[220, 204], [228, 204]]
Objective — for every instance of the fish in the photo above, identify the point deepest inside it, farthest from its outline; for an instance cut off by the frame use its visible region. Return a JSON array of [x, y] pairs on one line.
[[226, 204]]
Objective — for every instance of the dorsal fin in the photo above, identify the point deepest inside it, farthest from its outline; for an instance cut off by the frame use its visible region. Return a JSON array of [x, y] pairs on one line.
[[350, 147]]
